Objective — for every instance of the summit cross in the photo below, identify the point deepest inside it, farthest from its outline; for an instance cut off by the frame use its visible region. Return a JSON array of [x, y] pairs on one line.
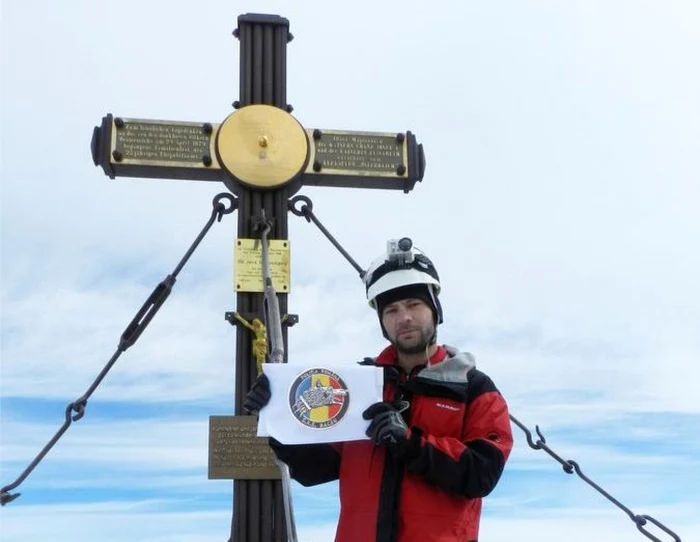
[[263, 155]]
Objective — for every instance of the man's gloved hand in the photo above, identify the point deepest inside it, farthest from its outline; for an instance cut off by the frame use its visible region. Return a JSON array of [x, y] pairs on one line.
[[258, 396], [387, 427]]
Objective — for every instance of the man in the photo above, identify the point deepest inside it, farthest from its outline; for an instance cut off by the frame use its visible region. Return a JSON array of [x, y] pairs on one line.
[[439, 440]]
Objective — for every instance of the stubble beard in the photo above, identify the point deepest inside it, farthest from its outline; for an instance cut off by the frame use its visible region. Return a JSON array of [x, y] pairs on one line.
[[418, 344]]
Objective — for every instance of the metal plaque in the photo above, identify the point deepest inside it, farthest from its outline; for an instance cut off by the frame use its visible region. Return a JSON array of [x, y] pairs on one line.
[[247, 276], [236, 453], [153, 142], [393, 161], [358, 153], [157, 149]]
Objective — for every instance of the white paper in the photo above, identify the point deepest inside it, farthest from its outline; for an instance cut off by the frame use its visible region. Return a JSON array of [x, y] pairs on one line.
[[319, 403]]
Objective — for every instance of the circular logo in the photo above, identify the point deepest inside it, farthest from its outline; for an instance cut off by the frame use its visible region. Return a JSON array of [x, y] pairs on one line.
[[319, 398]]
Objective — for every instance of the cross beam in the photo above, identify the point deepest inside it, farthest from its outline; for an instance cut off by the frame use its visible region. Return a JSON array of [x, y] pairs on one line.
[[264, 155], [129, 147]]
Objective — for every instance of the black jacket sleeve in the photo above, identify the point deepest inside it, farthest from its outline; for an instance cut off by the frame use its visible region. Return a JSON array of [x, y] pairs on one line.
[[309, 464]]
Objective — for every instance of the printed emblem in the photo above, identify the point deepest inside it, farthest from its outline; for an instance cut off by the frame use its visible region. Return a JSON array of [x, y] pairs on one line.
[[319, 398]]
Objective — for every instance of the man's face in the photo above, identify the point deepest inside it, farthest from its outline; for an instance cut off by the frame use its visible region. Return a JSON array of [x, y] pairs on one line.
[[409, 325]]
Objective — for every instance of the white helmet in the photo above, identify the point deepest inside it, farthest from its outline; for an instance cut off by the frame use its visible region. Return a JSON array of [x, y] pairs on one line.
[[402, 265]]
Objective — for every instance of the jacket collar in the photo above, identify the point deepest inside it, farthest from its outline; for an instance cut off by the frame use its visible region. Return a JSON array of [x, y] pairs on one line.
[[389, 356]]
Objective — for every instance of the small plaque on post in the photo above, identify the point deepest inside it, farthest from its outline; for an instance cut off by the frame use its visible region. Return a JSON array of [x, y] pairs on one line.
[[247, 267], [236, 453]]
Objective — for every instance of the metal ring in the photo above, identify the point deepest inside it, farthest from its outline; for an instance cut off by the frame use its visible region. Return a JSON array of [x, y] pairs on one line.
[[306, 208], [223, 209]]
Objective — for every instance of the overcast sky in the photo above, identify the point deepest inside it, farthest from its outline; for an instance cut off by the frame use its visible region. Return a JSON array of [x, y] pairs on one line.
[[560, 205]]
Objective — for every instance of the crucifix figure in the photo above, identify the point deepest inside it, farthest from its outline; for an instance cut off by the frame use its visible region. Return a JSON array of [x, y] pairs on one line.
[[263, 155], [259, 344]]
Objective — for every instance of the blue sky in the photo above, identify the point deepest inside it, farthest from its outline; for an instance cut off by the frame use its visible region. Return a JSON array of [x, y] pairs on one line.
[[559, 204]]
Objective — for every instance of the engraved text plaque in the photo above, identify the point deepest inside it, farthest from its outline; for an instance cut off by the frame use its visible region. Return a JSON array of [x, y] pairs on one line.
[[152, 142], [236, 453], [358, 153], [248, 265]]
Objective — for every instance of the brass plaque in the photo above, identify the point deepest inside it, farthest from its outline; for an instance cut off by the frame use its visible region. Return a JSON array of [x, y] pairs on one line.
[[372, 154], [163, 143], [262, 146], [235, 453], [248, 277]]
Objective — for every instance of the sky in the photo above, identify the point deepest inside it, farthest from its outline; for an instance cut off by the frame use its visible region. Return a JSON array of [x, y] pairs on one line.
[[559, 204]]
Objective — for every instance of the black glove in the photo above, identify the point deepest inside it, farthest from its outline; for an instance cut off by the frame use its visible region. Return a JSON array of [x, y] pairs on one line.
[[258, 396], [387, 427]]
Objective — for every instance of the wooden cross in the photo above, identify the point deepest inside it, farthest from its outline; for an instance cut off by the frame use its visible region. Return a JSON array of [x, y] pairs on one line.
[[263, 155]]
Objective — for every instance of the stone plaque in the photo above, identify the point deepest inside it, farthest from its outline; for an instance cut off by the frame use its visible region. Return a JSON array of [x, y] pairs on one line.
[[235, 453], [247, 276], [153, 142], [358, 153]]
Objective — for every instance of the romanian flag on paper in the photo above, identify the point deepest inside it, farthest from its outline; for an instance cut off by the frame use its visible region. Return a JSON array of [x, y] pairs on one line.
[[324, 413]]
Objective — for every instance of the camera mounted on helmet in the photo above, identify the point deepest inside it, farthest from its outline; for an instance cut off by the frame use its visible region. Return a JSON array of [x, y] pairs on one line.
[[400, 266], [399, 252]]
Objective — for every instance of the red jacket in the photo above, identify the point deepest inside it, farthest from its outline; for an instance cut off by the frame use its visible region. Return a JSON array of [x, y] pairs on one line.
[[460, 439]]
